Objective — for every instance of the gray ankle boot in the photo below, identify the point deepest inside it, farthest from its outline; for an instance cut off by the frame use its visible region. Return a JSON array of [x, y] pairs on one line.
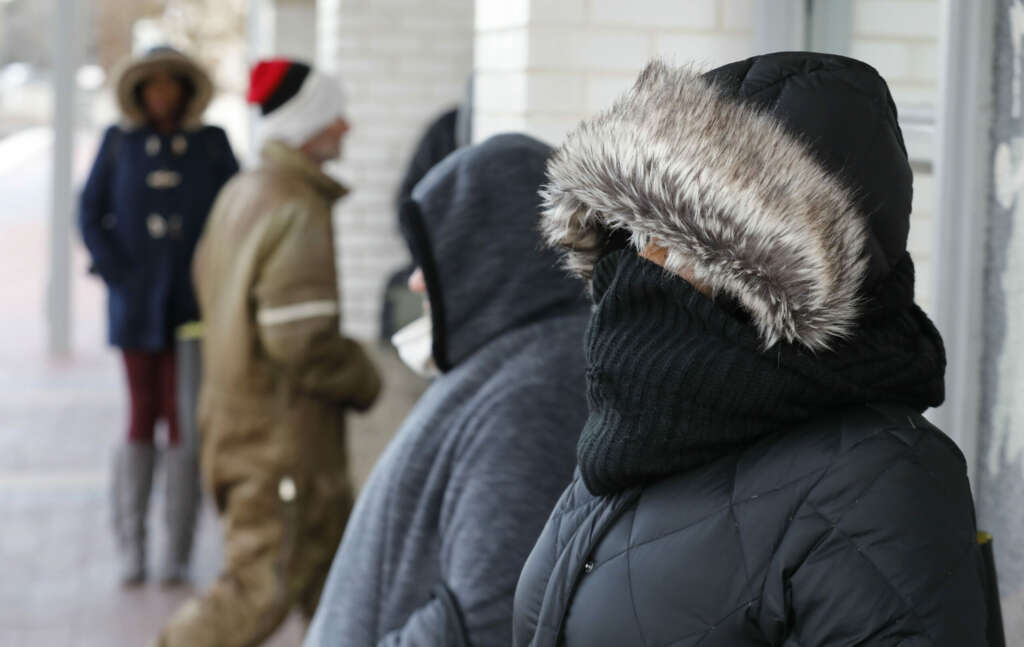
[[181, 506], [132, 484]]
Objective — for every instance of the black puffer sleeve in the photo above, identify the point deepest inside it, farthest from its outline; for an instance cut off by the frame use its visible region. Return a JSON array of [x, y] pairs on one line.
[[882, 551]]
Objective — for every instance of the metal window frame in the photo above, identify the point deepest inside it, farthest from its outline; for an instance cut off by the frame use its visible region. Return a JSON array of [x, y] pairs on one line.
[[829, 26], [963, 172], [780, 25], [950, 140], [58, 288], [819, 25]]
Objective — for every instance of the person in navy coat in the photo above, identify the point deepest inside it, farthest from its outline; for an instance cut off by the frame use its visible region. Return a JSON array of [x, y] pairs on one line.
[[143, 209]]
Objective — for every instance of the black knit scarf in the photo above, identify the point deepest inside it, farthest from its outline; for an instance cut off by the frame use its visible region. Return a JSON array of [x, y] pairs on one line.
[[676, 380]]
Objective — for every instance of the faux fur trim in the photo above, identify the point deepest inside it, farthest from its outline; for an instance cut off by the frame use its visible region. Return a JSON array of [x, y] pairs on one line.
[[132, 72], [728, 191]]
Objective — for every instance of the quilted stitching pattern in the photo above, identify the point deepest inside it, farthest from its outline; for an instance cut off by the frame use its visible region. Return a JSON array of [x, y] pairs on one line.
[[696, 563]]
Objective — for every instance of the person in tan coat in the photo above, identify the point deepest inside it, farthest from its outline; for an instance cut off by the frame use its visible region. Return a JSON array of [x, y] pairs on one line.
[[278, 375]]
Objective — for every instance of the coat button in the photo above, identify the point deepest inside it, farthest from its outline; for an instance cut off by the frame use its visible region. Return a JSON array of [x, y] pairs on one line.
[[588, 567], [163, 179], [152, 145], [286, 489], [109, 221], [179, 145], [157, 225]]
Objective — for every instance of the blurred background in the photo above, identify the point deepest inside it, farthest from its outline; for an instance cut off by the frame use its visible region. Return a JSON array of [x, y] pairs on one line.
[[537, 66]]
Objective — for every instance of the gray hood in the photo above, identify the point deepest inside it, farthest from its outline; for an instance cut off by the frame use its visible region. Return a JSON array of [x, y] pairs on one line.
[[471, 225]]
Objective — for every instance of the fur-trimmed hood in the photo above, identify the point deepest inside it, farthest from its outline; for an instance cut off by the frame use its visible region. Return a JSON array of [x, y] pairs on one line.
[[753, 178], [133, 72]]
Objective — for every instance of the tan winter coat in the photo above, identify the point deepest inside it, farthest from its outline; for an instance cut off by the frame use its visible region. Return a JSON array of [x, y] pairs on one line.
[[278, 380], [266, 281]]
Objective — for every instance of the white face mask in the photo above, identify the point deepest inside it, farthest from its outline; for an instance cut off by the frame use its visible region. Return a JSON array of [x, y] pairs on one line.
[[415, 345]]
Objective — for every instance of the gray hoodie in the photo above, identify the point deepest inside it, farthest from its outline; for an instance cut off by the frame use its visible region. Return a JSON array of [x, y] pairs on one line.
[[434, 547]]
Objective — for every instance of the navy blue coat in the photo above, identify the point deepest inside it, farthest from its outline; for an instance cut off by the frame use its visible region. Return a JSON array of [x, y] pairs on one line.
[[142, 212]]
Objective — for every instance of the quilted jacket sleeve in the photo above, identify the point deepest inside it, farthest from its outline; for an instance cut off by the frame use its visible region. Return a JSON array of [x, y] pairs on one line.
[[890, 562], [297, 312]]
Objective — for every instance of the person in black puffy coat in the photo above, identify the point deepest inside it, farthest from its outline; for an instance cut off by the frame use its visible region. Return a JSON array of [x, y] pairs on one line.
[[755, 468]]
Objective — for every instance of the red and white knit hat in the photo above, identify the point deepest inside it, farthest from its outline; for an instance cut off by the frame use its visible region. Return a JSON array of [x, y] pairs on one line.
[[296, 101]]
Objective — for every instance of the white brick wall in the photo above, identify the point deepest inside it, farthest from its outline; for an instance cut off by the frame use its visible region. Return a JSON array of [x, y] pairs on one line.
[[403, 63], [737, 15], [543, 65], [897, 18], [657, 14], [900, 38], [501, 14], [603, 43]]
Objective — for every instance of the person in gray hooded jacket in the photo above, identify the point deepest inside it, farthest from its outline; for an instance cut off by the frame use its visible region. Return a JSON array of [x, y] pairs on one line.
[[433, 549]]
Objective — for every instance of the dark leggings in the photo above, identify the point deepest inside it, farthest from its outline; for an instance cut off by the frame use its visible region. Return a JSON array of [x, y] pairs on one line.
[[151, 386]]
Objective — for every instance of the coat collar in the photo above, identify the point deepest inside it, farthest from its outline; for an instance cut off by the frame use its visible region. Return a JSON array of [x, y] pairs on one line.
[[676, 381], [280, 156]]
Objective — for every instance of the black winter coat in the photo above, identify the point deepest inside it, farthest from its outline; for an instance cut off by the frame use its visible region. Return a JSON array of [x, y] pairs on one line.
[[775, 545], [755, 468]]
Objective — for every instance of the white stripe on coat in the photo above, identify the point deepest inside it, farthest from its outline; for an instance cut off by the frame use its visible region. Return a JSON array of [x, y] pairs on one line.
[[296, 312]]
